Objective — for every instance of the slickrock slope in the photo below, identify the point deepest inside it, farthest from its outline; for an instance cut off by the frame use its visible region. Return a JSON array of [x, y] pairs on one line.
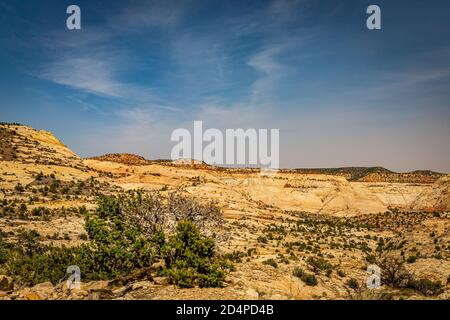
[[376, 174], [314, 193], [26, 152], [436, 198], [24, 144]]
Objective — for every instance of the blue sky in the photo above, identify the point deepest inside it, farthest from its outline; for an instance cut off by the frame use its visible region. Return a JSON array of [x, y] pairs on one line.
[[340, 94]]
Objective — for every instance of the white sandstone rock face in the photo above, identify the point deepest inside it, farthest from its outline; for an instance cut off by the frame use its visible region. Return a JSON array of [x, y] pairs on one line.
[[331, 194], [435, 198]]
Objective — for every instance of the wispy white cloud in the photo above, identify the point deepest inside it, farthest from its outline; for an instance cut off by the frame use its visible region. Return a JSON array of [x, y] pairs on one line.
[[86, 74], [266, 63], [96, 74]]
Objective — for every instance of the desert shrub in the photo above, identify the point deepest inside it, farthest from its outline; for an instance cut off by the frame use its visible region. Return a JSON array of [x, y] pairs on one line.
[[19, 188], [427, 287], [49, 264], [4, 252], [28, 242], [83, 237], [54, 186], [309, 279], [411, 259], [117, 245], [352, 283], [235, 256], [283, 259], [151, 211], [30, 262], [393, 273], [39, 176], [318, 264], [23, 208], [271, 262], [262, 239], [82, 210], [40, 212], [190, 258], [371, 259], [298, 272], [340, 273]]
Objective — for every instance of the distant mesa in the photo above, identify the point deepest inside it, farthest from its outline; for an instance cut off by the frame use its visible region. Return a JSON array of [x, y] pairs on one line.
[[376, 174], [186, 161], [136, 160], [123, 158]]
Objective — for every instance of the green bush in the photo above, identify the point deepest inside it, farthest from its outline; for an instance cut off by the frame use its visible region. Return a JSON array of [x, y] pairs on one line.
[[371, 259], [341, 273], [298, 272], [39, 176], [30, 262], [190, 258], [49, 264], [411, 259], [23, 208], [19, 188], [318, 264], [262, 239], [309, 279], [117, 246], [352, 283], [4, 251], [427, 287], [29, 242], [271, 262]]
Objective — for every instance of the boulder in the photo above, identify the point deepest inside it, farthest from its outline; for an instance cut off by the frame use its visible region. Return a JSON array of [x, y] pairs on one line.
[[163, 281], [44, 290], [95, 286], [32, 296]]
